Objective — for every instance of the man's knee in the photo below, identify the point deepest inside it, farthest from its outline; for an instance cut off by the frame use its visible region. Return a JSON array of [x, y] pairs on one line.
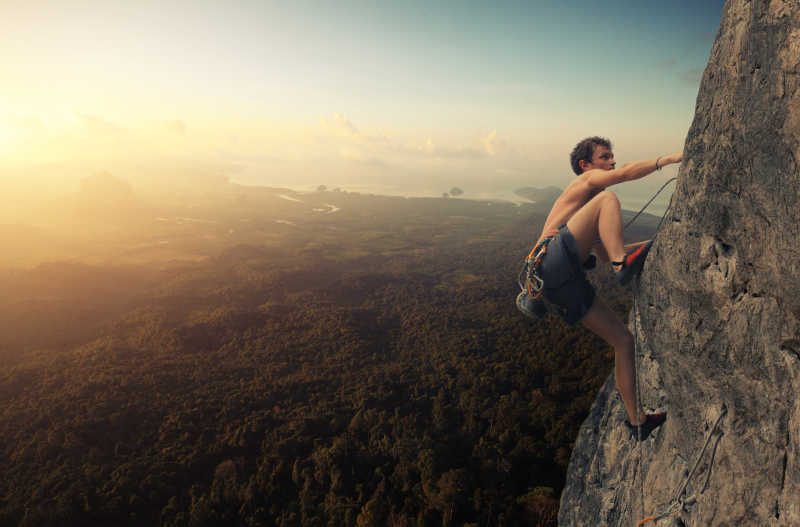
[[609, 197]]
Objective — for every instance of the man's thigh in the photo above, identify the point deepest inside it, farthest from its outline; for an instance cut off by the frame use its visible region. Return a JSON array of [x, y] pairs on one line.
[[584, 223], [603, 322]]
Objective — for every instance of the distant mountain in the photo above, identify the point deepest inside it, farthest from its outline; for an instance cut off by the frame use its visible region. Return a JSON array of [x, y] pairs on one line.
[[539, 195], [107, 197]]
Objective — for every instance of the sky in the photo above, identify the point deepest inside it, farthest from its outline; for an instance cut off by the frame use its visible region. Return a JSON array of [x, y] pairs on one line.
[[405, 96]]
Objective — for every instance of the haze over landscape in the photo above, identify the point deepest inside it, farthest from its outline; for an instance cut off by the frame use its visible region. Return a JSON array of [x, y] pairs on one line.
[[408, 98], [259, 257]]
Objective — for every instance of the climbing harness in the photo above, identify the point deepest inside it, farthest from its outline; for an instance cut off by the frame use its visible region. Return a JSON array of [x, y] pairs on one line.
[[530, 301], [531, 283]]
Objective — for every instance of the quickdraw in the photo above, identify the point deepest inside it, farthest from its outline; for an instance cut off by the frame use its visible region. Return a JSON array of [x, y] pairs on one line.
[[679, 499], [534, 283]]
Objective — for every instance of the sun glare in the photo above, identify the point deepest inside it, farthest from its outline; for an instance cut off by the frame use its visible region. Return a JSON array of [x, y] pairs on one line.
[[6, 138]]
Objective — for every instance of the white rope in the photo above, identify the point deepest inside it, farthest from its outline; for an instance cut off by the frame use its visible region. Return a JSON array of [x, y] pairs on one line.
[[678, 501], [648, 203], [638, 390], [639, 405]]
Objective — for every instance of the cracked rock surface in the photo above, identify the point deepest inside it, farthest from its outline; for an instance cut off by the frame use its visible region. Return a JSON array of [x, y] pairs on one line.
[[717, 314]]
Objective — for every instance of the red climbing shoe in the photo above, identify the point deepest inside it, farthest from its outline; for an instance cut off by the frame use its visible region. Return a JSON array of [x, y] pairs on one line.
[[651, 422], [632, 263]]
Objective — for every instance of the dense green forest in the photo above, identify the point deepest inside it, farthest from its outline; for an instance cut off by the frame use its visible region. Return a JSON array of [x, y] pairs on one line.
[[356, 368]]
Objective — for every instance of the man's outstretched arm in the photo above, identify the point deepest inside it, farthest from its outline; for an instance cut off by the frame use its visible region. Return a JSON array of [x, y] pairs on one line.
[[630, 171]]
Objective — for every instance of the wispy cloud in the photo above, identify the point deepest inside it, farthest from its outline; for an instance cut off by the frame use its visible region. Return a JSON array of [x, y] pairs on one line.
[[382, 150], [362, 159], [667, 64], [177, 127], [450, 152], [27, 124], [692, 76], [99, 127], [490, 143], [338, 124]]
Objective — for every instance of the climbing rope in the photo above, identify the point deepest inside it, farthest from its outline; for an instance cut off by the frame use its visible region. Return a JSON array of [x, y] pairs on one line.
[[530, 282], [678, 502], [639, 445], [639, 442], [635, 307], [648, 204]]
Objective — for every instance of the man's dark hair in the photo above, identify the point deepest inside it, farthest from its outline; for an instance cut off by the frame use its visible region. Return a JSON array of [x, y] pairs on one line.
[[584, 151]]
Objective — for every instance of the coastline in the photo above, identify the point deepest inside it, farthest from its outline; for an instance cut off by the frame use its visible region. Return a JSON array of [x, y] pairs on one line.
[[630, 204], [395, 191]]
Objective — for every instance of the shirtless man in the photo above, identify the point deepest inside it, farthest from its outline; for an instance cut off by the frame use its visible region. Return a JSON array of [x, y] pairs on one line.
[[586, 218]]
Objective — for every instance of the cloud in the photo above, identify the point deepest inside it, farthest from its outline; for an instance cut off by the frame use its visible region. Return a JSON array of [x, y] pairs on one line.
[[667, 64], [177, 127], [358, 157], [98, 127], [340, 125], [27, 124], [671, 66], [457, 152], [692, 76], [356, 145], [489, 143], [486, 147], [509, 172], [19, 130]]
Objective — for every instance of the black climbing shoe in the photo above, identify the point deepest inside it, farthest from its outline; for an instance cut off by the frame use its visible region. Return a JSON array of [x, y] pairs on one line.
[[651, 422], [632, 263]]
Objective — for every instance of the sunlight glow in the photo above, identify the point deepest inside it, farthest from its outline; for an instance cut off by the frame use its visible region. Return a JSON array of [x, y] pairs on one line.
[[7, 139]]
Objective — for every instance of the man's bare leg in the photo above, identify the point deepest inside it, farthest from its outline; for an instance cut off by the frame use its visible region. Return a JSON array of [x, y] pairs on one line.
[[604, 323], [600, 217]]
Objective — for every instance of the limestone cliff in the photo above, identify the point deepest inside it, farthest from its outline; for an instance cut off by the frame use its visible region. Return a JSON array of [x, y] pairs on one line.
[[717, 309]]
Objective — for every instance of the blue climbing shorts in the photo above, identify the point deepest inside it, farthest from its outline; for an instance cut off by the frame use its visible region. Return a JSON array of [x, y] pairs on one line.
[[565, 284]]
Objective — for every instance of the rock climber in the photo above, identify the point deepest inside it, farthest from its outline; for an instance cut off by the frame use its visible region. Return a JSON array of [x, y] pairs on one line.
[[585, 219]]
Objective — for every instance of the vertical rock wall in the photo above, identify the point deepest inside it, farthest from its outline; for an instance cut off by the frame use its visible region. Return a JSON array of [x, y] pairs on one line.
[[718, 309]]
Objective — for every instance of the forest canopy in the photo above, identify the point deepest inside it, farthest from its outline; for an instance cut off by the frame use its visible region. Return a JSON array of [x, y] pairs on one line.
[[364, 366]]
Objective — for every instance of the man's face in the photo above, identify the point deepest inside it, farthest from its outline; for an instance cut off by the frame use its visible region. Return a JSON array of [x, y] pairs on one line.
[[602, 158]]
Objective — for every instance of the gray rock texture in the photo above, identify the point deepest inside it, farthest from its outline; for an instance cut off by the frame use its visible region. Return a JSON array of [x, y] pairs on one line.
[[717, 313]]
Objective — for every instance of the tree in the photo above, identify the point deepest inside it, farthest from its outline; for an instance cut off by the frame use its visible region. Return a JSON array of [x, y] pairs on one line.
[[374, 512]]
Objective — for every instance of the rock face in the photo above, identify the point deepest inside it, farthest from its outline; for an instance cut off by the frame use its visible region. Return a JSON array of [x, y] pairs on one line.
[[717, 309]]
